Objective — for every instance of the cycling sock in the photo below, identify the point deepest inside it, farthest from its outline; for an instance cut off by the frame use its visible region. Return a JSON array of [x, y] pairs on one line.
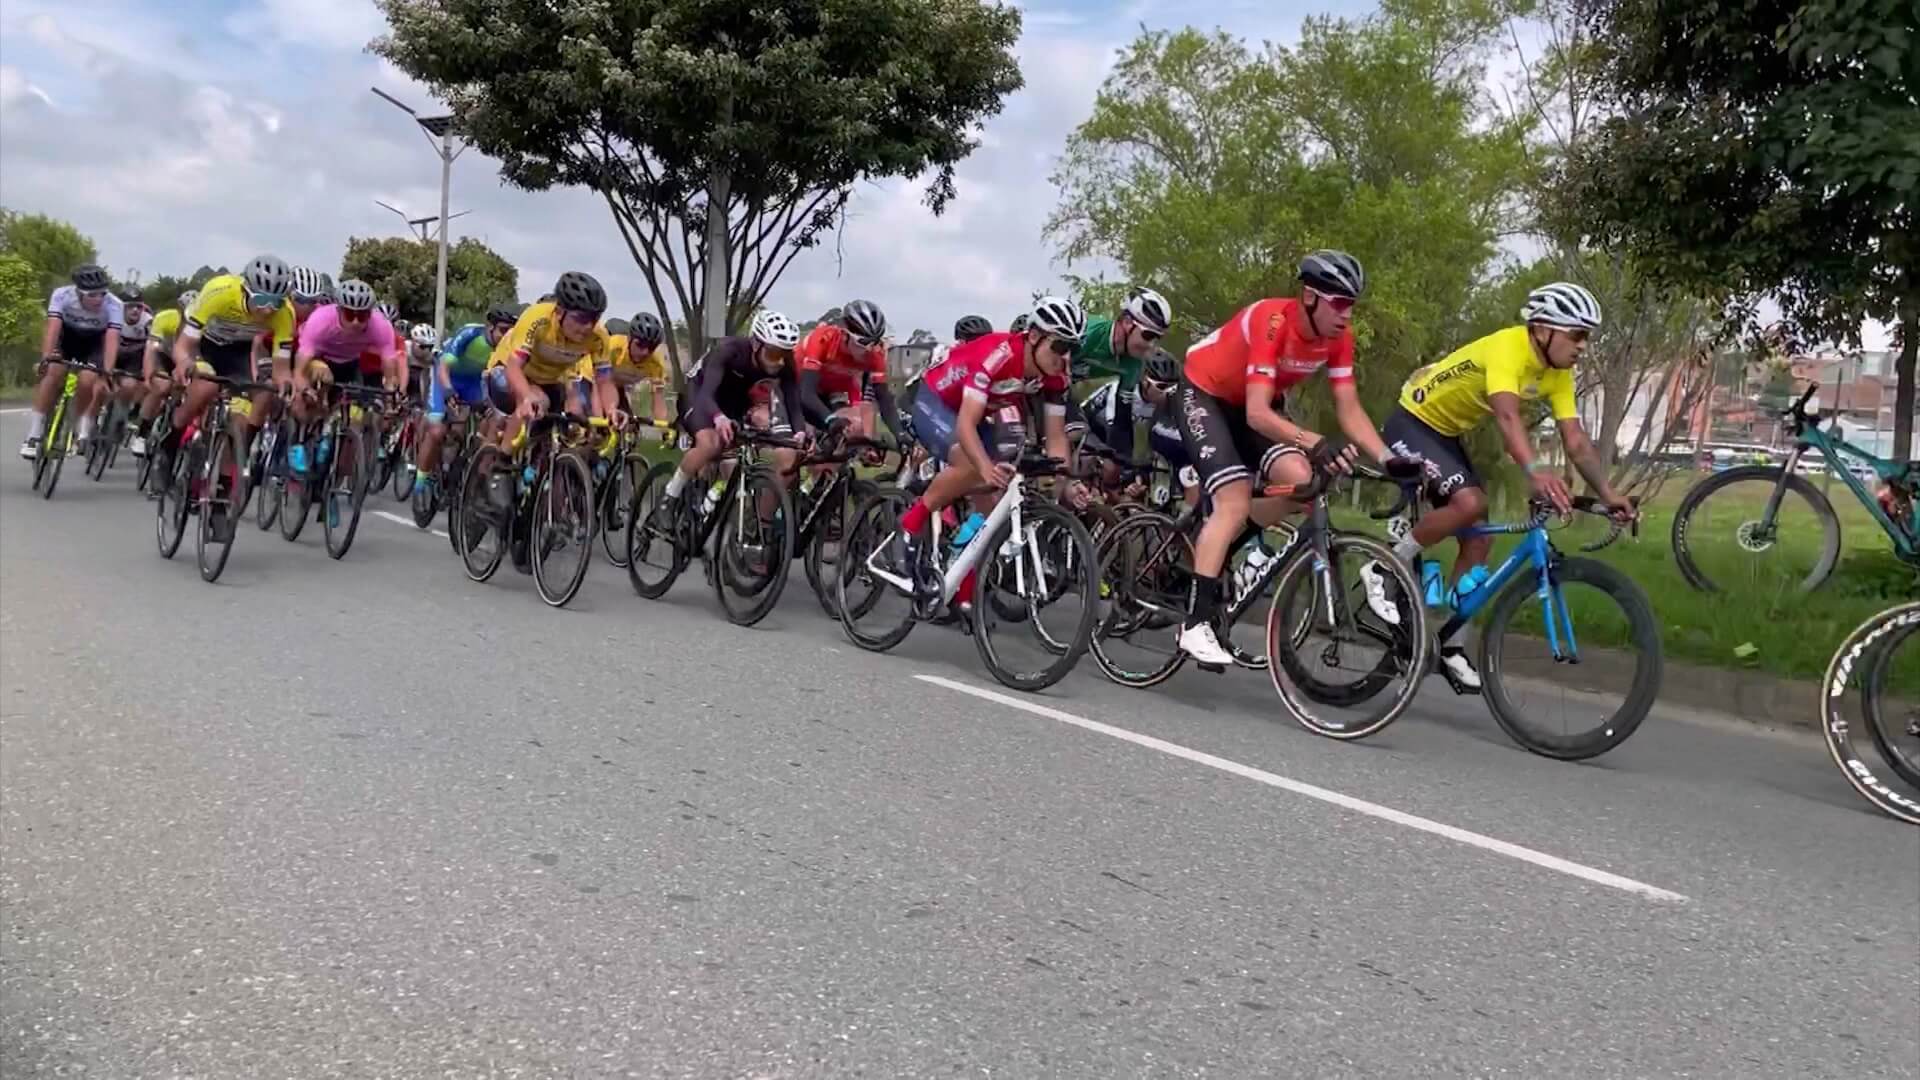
[[914, 521], [676, 484], [1203, 599], [37, 425], [1407, 550], [86, 428], [964, 594]]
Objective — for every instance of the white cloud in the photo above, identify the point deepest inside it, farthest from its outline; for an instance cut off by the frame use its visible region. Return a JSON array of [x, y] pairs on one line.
[[16, 90], [338, 25]]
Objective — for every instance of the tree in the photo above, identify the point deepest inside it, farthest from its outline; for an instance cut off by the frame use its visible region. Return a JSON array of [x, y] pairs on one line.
[[164, 290], [1768, 147], [23, 310], [753, 118], [403, 270], [1207, 170], [51, 246]]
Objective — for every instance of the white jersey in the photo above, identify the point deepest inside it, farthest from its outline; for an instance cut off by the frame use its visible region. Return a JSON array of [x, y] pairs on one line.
[[77, 317]]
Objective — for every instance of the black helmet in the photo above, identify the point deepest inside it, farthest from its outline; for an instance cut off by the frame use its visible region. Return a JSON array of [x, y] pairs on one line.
[[1333, 273], [576, 291], [132, 295], [1019, 323], [865, 321], [970, 327], [503, 313], [89, 278], [616, 326], [1162, 367], [645, 326]]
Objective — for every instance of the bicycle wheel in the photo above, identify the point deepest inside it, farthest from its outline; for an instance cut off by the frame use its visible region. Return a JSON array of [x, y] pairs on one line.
[[424, 502], [657, 551], [1341, 634], [271, 475], [563, 529], [97, 456], [486, 509], [173, 506], [1608, 611], [826, 540], [219, 509], [53, 453], [1722, 544], [615, 499], [752, 548], [453, 478], [301, 489], [1057, 576], [875, 613], [143, 472], [1146, 574], [401, 461], [1889, 705], [349, 477]]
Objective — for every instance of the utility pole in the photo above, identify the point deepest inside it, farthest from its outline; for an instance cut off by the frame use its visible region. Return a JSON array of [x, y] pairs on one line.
[[440, 127]]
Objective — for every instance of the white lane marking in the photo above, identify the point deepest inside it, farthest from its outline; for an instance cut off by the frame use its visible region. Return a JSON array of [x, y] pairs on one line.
[[13, 412], [1385, 813], [408, 522]]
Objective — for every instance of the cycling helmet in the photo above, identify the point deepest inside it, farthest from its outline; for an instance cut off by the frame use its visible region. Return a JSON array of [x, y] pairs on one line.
[[390, 309], [401, 326], [188, 298], [616, 326], [1333, 273], [1163, 368], [970, 327], [576, 291], [356, 295], [775, 329], [306, 286], [132, 295], [503, 313], [865, 321], [1562, 304], [1149, 309], [1058, 316], [645, 327], [424, 336], [1019, 323], [267, 274], [89, 278], [326, 287]]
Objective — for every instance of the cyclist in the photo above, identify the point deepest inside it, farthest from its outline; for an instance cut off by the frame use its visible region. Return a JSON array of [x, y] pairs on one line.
[[83, 323], [1444, 401], [332, 342], [750, 377], [459, 373], [222, 336], [531, 369], [970, 327], [137, 320], [156, 367], [1235, 424], [1110, 358], [1158, 376], [637, 358], [838, 362], [989, 375], [422, 350]]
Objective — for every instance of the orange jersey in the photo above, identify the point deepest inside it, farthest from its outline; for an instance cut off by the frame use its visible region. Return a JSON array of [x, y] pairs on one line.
[[829, 351], [1264, 343]]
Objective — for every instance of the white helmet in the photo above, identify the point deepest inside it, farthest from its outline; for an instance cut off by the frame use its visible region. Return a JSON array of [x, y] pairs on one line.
[[307, 285], [1149, 309], [424, 336], [1562, 304], [356, 295], [1058, 316], [774, 329], [267, 275]]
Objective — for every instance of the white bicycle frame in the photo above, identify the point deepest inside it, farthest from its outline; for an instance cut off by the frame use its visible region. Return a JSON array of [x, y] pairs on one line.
[[1008, 507]]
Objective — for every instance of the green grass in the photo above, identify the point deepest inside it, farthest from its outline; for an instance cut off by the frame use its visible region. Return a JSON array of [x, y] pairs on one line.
[[1758, 625]]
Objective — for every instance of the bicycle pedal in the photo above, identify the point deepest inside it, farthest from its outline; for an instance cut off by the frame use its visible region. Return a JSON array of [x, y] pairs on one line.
[[1216, 669]]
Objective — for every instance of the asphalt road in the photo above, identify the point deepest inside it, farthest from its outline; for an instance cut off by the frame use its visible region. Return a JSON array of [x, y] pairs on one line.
[[366, 818]]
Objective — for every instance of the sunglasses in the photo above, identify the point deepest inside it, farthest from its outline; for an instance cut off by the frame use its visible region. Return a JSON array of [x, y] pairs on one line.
[[1062, 346], [352, 316], [92, 294], [1340, 304], [1151, 336], [1578, 334], [265, 299]]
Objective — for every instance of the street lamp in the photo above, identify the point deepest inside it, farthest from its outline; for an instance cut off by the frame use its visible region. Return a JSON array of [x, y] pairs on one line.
[[418, 226], [440, 127]]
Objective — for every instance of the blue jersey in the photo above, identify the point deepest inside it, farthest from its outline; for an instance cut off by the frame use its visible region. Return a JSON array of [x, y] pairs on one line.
[[467, 351]]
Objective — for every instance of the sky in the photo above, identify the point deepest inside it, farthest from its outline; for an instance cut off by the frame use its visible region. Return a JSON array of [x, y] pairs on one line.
[[201, 132]]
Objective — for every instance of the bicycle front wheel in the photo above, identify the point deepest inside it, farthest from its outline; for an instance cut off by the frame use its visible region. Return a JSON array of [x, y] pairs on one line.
[[657, 548], [1607, 667], [753, 550], [1345, 666], [271, 478], [53, 453], [219, 506], [615, 499], [1052, 572], [172, 506], [562, 541], [1725, 538], [1889, 708], [486, 508], [346, 489], [876, 614], [1146, 575]]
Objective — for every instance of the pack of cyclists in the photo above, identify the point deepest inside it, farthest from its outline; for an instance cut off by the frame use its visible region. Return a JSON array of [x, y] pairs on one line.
[[1220, 417]]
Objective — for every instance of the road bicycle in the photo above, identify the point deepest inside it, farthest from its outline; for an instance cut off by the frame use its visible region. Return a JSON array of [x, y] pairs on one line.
[[737, 514], [1723, 544], [535, 499], [56, 443], [618, 469], [462, 441], [1887, 679], [204, 480], [823, 504], [1029, 548], [109, 435]]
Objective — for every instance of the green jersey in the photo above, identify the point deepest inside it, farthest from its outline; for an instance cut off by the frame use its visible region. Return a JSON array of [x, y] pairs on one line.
[[1095, 358]]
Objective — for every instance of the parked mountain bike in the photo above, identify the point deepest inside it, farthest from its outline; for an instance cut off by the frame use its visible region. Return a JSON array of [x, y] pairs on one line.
[[1020, 550], [1881, 660], [535, 501], [1752, 536], [56, 443], [739, 507]]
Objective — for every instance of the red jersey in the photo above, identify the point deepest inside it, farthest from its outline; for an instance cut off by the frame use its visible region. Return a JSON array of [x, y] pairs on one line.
[[1265, 343], [992, 368], [372, 363], [828, 350]]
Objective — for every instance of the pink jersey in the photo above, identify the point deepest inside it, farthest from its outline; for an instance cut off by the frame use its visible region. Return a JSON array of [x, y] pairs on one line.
[[991, 367], [325, 336]]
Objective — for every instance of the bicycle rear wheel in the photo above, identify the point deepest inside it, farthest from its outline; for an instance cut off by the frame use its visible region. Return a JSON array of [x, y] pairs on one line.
[[563, 526], [1053, 570], [483, 529], [1616, 616], [173, 505], [271, 477], [1321, 632], [753, 554], [219, 509], [824, 544], [401, 460], [616, 500], [1146, 574]]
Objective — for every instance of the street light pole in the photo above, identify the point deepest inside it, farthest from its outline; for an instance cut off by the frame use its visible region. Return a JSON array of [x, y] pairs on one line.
[[441, 126]]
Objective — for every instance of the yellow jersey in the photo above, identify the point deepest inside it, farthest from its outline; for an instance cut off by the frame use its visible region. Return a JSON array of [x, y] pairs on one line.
[[165, 327], [1451, 395], [549, 358], [221, 316], [651, 368]]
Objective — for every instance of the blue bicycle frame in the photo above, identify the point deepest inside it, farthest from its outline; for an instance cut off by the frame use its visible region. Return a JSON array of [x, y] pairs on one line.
[[1536, 553]]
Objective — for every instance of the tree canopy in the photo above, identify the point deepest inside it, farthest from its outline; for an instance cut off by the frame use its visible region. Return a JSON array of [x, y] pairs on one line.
[[403, 270]]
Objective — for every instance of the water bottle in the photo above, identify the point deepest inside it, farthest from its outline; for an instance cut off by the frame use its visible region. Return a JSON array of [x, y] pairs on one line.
[[599, 469], [324, 450], [526, 476], [968, 529], [1434, 582], [712, 500], [1469, 582]]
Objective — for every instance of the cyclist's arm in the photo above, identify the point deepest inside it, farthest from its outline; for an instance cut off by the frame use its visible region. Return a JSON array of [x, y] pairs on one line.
[[110, 349], [51, 338], [1355, 422], [706, 392], [1513, 428], [889, 412], [815, 410], [798, 411], [1265, 419], [1586, 458], [606, 392], [1053, 423], [150, 358], [657, 400], [183, 348]]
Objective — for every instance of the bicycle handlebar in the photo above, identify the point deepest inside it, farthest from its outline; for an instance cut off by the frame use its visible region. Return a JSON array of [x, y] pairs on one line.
[[1542, 511]]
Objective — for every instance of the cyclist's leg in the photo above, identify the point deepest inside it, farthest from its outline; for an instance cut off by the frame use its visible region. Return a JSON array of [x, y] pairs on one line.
[[1458, 496]]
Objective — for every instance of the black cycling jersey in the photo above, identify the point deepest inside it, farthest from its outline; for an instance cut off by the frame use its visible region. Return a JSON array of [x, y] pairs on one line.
[[728, 377]]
